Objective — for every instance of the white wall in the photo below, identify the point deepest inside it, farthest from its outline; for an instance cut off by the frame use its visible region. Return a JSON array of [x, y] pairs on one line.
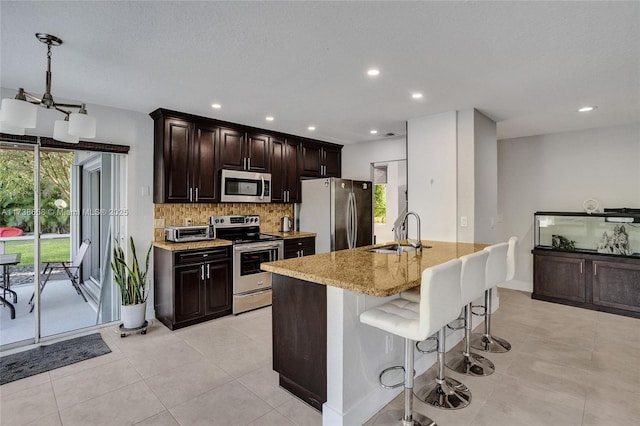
[[432, 174], [485, 179], [357, 158], [557, 172]]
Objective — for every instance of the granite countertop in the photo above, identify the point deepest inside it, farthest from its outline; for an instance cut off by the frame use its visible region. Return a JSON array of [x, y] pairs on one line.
[[364, 272], [218, 242], [193, 245], [290, 235]]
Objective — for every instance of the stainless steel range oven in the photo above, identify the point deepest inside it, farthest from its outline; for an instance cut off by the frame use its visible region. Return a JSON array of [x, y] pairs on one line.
[[251, 286]]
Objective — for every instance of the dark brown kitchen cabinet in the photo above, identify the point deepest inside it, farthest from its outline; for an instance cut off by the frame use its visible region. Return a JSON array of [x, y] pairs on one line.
[[184, 156], [299, 247], [190, 151], [321, 159], [285, 174], [240, 150], [602, 282], [192, 286], [299, 324]]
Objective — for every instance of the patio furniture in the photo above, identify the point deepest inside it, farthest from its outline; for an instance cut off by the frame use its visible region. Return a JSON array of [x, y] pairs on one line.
[[72, 269], [7, 260]]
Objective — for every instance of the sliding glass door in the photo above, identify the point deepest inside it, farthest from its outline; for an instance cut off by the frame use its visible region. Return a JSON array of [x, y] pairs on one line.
[[17, 165], [63, 238]]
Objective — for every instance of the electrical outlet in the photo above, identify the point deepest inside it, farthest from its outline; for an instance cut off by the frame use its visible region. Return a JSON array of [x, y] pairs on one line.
[[464, 222], [188, 221], [158, 223]]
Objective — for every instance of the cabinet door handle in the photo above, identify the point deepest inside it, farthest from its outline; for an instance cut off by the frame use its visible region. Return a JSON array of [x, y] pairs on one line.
[[196, 195], [208, 270], [190, 194], [202, 272], [595, 269], [249, 163], [302, 253], [581, 263]]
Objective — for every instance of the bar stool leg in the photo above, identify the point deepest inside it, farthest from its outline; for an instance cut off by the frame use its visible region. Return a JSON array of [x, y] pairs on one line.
[[446, 392], [467, 362], [406, 417], [486, 342]]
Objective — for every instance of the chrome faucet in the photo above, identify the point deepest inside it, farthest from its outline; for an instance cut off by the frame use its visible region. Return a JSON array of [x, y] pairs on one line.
[[413, 243], [400, 232]]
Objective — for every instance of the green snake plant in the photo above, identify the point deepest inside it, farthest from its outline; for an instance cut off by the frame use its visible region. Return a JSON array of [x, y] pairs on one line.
[[131, 280]]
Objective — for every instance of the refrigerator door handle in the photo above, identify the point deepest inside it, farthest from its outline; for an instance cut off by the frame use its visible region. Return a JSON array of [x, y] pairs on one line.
[[354, 212], [352, 242], [348, 218]]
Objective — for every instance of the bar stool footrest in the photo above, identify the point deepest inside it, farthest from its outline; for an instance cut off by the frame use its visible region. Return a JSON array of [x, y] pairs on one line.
[[388, 369]]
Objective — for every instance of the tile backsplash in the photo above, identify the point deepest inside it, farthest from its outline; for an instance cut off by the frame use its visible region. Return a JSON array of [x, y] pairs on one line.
[[176, 214]]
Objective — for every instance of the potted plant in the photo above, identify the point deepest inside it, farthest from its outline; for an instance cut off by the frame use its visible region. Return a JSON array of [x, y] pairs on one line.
[[132, 282]]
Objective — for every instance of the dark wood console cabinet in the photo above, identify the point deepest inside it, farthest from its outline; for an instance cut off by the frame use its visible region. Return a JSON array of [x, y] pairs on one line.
[[192, 286], [601, 282]]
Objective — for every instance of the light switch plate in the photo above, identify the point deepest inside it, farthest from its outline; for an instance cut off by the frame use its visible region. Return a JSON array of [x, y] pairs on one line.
[[464, 222]]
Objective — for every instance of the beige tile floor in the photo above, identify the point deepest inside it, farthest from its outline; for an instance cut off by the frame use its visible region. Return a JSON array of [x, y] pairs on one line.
[[568, 366]]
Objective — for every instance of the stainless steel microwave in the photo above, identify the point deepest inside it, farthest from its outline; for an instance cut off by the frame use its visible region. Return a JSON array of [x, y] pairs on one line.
[[245, 187]]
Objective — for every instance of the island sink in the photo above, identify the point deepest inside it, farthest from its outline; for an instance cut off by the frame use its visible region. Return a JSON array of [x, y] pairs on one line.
[[393, 249]]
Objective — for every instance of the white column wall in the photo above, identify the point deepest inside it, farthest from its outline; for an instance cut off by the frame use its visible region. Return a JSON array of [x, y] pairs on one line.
[[432, 174], [557, 172]]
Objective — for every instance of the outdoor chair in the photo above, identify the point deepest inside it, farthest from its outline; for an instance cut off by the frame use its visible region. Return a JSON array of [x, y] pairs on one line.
[[72, 269]]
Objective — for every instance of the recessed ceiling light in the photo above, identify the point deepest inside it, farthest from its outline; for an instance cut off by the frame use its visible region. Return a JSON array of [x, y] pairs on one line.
[[216, 106], [587, 108], [373, 132], [311, 128], [373, 72], [416, 95], [269, 118]]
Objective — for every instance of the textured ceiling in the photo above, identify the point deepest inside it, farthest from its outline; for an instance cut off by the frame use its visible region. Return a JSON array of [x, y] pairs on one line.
[[528, 65]]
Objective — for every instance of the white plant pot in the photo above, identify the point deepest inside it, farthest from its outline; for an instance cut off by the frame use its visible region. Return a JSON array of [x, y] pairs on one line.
[[132, 316]]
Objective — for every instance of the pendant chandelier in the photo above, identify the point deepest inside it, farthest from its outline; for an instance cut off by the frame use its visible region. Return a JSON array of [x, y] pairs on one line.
[[20, 113]]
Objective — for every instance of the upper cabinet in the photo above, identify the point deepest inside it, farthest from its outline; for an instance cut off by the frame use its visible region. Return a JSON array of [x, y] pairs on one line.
[[285, 170], [183, 157], [241, 150], [190, 151], [321, 159]]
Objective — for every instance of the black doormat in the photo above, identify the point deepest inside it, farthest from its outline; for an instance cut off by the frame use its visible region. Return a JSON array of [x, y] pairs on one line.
[[44, 358]]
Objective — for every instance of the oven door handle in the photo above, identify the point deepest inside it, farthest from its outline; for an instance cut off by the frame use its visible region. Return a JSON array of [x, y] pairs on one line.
[[249, 247]]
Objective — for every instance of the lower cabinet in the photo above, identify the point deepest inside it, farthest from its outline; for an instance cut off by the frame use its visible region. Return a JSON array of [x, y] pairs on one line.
[[600, 282], [192, 286], [299, 247]]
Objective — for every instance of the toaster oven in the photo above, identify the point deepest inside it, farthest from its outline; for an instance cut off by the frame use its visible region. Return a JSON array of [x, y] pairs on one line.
[[181, 234]]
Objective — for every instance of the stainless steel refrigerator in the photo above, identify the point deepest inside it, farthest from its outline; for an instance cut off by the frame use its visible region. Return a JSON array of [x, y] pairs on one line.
[[339, 211]]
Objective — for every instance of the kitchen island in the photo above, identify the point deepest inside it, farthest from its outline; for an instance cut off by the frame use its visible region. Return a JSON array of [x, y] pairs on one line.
[[323, 354]]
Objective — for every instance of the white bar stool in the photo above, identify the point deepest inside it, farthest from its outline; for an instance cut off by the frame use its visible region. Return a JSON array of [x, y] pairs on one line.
[[472, 284], [415, 322], [496, 273], [442, 306]]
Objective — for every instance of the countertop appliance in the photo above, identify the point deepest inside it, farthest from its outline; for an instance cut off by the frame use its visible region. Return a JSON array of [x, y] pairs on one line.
[[251, 286], [285, 224], [339, 211], [182, 234], [245, 187]]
